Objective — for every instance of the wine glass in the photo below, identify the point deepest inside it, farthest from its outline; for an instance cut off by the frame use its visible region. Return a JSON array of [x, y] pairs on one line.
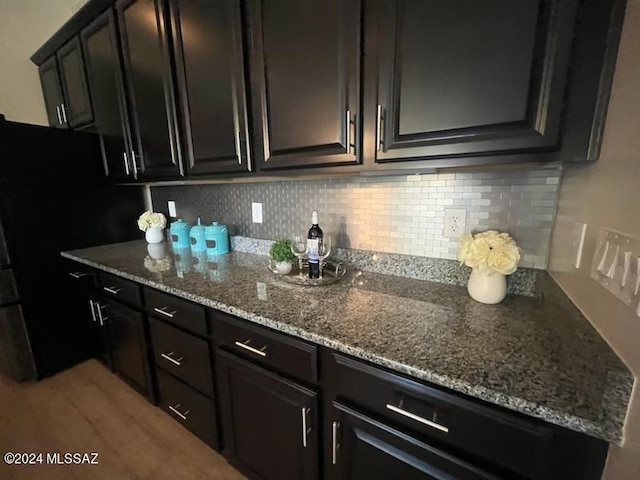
[[299, 249], [324, 250]]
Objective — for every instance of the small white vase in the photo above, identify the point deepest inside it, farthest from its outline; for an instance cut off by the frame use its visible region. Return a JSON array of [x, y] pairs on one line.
[[283, 267], [487, 288], [154, 235]]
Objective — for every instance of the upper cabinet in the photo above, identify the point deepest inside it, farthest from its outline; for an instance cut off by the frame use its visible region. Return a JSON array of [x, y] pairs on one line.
[[197, 88], [144, 36], [52, 92], [305, 72], [468, 78], [104, 73], [210, 72]]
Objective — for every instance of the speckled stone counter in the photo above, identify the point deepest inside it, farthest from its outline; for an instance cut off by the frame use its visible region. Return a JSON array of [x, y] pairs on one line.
[[538, 356]]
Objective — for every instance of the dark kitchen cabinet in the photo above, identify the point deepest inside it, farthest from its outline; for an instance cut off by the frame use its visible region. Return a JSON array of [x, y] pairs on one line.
[[305, 73], [129, 349], [207, 40], [76, 109], [469, 78], [85, 307], [148, 72], [104, 73], [52, 92], [366, 448], [270, 424]]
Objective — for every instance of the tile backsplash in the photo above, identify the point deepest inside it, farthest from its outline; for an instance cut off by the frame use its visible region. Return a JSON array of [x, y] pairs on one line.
[[396, 214]]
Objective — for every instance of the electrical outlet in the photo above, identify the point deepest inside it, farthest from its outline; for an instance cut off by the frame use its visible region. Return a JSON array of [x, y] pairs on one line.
[[256, 212], [455, 222], [172, 209]]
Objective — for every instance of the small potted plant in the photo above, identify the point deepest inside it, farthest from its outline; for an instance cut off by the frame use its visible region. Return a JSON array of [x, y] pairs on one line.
[[282, 256]]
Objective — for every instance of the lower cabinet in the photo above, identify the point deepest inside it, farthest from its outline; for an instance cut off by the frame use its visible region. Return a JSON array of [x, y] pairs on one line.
[[270, 424], [129, 350], [192, 409], [364, 448]]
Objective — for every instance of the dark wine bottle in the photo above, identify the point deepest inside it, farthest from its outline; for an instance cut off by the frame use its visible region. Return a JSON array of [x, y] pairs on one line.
[[314, 239]]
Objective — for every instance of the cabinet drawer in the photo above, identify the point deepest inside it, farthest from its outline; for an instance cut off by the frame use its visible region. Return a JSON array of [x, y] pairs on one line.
[[192, 409], [503, 438], [122, 290], [182, 355], [287, 355], [175, 310]]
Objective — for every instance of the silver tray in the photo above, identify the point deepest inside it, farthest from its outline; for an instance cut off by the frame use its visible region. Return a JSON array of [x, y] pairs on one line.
[[331, 273]]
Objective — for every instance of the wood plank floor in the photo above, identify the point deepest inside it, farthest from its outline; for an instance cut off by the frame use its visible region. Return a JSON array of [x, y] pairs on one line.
[[88, 409]]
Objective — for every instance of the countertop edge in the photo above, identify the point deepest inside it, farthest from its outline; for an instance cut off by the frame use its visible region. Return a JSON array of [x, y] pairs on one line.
[[520, 405]]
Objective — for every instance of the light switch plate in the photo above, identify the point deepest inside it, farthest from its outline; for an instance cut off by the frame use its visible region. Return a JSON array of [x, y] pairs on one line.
[[172, 209], [256, 212], [616, 266]]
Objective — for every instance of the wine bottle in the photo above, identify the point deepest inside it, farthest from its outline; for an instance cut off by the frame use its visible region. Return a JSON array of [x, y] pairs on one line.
[[314, 239]]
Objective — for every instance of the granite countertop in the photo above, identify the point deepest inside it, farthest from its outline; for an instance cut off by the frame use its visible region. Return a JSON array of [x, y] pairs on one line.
[[535, 355]]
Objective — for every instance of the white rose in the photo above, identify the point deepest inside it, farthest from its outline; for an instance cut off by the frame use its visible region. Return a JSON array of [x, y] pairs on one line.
[[495, 239], [478, 252], [157, 220], [504, 259], [143, 221], [463, 247]]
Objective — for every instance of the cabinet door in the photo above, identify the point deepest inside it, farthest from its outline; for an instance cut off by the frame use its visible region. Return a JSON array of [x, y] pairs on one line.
[[464, 78], [149, 80], [270, 424], [306, 82], [52, 92], [210, 67], [365, 448], [130, 356], [77, 109], [104, 73]]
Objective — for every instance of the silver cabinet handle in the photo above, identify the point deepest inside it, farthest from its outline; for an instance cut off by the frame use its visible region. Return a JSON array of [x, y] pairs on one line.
[[58, 115], [169, 357], [348, 131], [334, 442], [380, 139], [305, 431], [262, 352], [98, 309], [135, 165], [78, 275], [418, 418], [175, 410], [93, 312], [64, 112], [113, 290], [238, 147], [164, 311], [126, 163]]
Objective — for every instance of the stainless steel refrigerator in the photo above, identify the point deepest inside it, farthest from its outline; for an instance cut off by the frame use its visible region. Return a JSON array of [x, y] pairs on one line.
[[53, 197]]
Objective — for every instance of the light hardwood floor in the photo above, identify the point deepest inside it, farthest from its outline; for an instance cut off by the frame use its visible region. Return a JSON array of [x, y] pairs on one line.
[[88, 409]]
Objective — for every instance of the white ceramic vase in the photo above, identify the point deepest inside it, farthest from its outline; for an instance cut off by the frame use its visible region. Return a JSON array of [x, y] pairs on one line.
[[487, 288], [283, 267], [154, 235]]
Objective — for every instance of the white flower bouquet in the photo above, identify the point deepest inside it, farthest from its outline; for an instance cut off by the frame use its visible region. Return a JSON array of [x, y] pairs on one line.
[[489, 252], [150, 219]]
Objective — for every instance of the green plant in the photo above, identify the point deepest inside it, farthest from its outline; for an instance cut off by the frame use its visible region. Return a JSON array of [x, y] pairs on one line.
[[280, 251]]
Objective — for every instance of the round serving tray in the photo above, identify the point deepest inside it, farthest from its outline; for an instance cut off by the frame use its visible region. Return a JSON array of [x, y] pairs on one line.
[[331, 273]]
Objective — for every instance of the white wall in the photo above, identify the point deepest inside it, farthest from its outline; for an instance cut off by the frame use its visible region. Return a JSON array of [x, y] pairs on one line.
[[24, 26], [607, 193]]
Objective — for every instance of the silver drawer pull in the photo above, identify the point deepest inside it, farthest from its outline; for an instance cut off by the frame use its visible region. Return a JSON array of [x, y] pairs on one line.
[[175, 410], [99, 309], [113, 290], [164, 311], [305, 431], [417, 418], [78, 275], [169, 357], [334, 442], [93, 312], [262, 352]]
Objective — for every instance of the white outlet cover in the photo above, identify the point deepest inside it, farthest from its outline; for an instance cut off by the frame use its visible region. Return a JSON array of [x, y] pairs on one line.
[[172, 209], [256, 212], [455, 222]]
